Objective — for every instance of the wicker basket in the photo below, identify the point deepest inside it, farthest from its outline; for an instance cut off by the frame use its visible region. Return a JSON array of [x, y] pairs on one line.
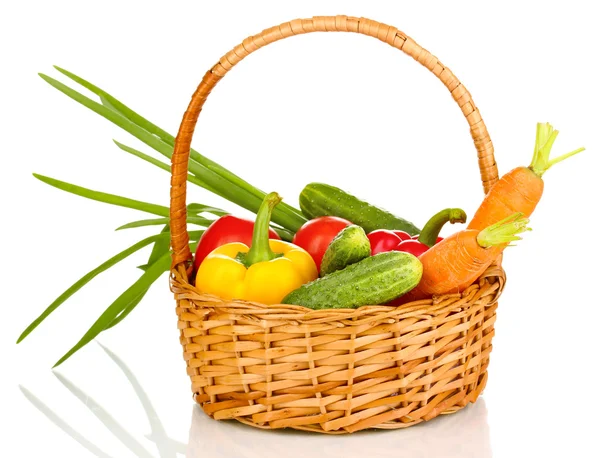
[[332, 371]]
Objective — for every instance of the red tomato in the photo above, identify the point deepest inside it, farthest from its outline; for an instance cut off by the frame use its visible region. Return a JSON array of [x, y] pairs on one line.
[[413, 247], [316, 235], [383, 240], [403, 235]]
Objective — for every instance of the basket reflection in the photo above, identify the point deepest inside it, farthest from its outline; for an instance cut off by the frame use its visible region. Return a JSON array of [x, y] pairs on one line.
[[464, 434]]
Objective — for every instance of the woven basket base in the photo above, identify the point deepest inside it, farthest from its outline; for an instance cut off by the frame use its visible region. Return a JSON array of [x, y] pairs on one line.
[[404, 422]]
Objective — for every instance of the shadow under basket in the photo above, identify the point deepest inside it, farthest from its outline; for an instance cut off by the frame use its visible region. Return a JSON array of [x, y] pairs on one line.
[[340, 370]]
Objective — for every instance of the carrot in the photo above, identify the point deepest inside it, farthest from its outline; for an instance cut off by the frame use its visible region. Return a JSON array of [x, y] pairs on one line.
[[521, 189], [456, 262]]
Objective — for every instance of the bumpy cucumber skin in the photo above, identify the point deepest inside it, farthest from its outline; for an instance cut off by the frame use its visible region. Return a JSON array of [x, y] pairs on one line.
[[319, 199], [348, 247], [375, 280]]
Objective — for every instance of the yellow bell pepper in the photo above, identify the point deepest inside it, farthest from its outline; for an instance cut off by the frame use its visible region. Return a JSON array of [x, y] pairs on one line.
[[266, 272]]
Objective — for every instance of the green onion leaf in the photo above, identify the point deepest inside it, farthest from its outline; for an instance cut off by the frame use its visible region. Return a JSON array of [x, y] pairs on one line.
[[197, 220], [160, 247], [212, 176], [201, 208], [121, 303], [163, 237], [128, 149], [88, 277], [105, 197], [127, 309]]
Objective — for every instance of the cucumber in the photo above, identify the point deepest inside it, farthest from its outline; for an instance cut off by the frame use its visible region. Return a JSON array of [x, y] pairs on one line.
[[348, 247], [374, 280], [319, 199]]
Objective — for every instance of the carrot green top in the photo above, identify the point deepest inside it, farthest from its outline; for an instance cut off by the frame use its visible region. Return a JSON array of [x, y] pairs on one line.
[[504, 231], [544, 139]]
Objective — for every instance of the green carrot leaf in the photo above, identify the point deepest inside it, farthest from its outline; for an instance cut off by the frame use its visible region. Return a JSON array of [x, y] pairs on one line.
[[112, 199], [121, 304]]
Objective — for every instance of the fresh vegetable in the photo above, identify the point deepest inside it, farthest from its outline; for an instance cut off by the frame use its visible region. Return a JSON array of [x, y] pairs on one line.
[[438, 240], [348, 247], [374, 280], [429, 235], [384, 240], [264, 272], [457, 261], [318, 199], [316, 235], [203, 171], [521, 189], [226, 229]]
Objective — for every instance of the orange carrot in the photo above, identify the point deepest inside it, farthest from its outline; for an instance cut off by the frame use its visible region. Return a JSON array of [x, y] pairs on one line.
[[456, 262], [521, 189]]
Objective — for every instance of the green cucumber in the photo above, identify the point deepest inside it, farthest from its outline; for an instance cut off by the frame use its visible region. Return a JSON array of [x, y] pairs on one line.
[[319, 199], [348, 247], [375, 280]]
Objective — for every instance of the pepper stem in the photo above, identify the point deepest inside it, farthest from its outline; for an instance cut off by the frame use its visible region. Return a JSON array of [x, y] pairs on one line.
[[504, 231], [432, 229], [544, 139], [260, 251]]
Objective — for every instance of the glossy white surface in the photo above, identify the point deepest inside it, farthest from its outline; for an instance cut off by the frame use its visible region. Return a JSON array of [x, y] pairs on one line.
[[284, 117]]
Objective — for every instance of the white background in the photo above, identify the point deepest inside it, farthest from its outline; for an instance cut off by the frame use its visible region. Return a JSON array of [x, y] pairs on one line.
[[339, 108]]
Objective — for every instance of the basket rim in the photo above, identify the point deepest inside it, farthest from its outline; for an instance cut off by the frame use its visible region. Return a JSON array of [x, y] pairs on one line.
[[491, 282]]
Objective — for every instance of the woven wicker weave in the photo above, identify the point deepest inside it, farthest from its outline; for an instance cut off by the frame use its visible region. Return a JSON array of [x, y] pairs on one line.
[[334, 371]]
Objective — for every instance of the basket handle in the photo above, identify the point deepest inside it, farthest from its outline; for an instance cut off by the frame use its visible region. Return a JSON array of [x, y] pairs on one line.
[[383, 32]]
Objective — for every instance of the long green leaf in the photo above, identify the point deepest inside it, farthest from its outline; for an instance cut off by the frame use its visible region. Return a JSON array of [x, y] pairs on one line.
[[162, 238], [111, 102], [128, 149], [283, 233], [88, 277], [196, 209], [133, 304], [112, 199], [141, 134], [214, 177], [197, 220], [121, 303], [158, 163], [143, 223], [159, 248]]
